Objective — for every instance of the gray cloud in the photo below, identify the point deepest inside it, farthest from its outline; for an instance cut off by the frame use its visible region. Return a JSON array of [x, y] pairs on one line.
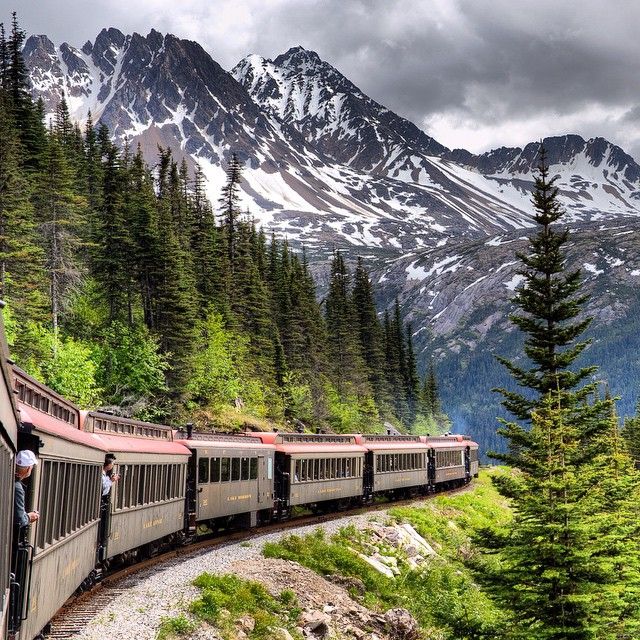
[[475, 73]]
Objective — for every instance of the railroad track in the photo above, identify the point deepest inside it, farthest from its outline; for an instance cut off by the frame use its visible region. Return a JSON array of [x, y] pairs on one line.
[[80, 609]]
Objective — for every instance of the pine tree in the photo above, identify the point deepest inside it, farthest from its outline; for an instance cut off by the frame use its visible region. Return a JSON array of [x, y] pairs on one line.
[[21, 259], [112, 255], [343, 344], [370, 333], [60, 212], [412, 382], [553, 568], [631, 435], [230, 205]]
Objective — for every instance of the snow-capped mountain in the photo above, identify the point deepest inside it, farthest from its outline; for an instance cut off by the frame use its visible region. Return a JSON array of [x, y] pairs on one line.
[[596, 178], [163, 90], [328, 166]]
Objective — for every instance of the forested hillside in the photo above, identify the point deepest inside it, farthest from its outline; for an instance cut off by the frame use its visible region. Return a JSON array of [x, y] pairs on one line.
[[125, 287]]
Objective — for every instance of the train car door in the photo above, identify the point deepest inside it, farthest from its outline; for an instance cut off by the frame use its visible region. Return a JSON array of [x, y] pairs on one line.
[[22, 549], [367, 476], [259, 479]]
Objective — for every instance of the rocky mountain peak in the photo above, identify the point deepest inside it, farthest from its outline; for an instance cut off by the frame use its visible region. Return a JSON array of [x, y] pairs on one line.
[[300, 58]]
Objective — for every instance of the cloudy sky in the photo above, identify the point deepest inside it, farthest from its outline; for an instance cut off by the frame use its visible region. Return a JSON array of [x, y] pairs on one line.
[[476, 74]]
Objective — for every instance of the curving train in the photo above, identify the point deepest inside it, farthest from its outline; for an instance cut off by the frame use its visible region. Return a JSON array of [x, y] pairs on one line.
[[174, 485]]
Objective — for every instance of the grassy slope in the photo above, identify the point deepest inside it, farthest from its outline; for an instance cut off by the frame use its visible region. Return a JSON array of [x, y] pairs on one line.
[[442, 596]]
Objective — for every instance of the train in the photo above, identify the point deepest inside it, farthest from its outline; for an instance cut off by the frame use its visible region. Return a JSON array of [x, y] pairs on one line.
[[174, 485]]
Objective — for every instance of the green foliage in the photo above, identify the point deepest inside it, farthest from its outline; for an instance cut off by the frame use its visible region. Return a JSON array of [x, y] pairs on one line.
[[175, 627], [349, 413], [71, 371], [217, 364], [130, 364], [224, 599], [560, 560], [443, 596]]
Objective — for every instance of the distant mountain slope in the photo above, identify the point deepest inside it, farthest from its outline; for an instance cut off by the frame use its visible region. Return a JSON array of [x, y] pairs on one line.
[[327, 166], [162, 90], [597, 179]]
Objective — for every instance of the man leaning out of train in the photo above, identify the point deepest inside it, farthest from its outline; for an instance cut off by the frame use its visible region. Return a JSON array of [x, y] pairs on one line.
[[25, 461]]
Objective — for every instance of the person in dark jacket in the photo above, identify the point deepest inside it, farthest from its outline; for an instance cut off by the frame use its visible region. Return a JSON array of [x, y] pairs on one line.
[[25, 461]]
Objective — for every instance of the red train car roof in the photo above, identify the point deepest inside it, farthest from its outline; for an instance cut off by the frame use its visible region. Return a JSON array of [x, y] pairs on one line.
[[251, 443], [293, 443], [124, 444], [53, 426], [396, 446], [320, 448]]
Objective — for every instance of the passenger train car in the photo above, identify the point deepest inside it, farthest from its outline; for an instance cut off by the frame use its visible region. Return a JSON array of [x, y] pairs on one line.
[[174, 486], [8, 447]]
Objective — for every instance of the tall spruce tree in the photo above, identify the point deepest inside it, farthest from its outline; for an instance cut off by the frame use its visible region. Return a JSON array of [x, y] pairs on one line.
[[60, 216], [22, 277], [230, 206], [412, 382], [370, 333], [553, 569], [345, 356]]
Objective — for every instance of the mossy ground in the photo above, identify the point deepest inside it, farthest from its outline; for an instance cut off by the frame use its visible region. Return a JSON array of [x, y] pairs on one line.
[[442, 595]]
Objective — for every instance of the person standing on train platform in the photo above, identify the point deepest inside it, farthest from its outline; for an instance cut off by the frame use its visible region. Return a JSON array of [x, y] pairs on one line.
[[108, 477], [25, 461]]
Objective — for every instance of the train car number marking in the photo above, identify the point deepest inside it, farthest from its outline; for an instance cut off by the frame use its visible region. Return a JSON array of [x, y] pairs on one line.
[[152, 523], [72, 566]]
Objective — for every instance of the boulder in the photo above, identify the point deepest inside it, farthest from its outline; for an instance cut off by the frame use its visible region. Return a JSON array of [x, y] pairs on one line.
[[316, 623], [401, 624]]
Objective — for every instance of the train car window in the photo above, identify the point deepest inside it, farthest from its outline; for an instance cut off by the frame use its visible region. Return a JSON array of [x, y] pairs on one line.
[[158, 482], [235, 469], [75, 523], [168, 482], [132, 489], [141, 484], [323, 464], [215, 470], [253, 470], [297, 464], [151, 484], [203, 470], [269, 468], [45, 487], [245, 469], [162, 482], [225, 473], [347, 468]]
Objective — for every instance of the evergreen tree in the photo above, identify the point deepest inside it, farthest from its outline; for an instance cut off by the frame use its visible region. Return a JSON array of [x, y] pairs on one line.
[[631, 435], [174, 289], [412, 382], [250, 303], [112, 255], [370, 333], [60, 212], [230, 205], [21, 259], [553, 570], [343, 344]]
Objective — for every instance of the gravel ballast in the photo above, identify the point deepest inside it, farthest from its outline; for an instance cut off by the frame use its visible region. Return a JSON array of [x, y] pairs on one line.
[[165, 591]]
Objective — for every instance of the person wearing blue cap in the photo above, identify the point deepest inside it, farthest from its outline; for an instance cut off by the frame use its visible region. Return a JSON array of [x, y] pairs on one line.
[[25, 461]]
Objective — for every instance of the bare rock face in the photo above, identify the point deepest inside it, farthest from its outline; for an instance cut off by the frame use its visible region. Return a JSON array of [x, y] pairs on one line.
[[327, 609], [402, 625]]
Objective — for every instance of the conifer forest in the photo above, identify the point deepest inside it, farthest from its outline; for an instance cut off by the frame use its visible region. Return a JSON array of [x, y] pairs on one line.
[[127, 288]]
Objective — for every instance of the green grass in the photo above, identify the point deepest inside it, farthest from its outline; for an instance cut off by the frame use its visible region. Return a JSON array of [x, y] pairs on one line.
[[442, 594], [224, 599], [175, 627]]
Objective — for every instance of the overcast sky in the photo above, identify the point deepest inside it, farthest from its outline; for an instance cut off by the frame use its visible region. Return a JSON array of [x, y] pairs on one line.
[[477, 74]]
